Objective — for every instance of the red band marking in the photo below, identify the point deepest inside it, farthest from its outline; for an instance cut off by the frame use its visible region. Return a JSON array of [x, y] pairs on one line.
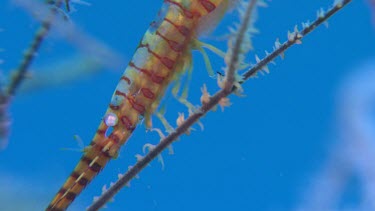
[[75, 174], [157, 79], [83, 181], [154, 78], [86, 160], [137, 106], [147, 93], [62, 191], [120, 93], [187, 13], [169, 63], [113, 107], [209, 6], [100, 132], [126, 79], [106, 154], [114, 138], [185, 31], [96, 167], [128, 124], [144, 71], [175, 46]]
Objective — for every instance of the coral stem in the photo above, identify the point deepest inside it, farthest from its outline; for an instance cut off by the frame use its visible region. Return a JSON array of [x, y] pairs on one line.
[[298, 36], [214, 100]]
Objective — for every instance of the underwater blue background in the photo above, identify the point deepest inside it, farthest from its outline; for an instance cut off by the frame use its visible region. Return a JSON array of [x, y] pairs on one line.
[[261, 153]]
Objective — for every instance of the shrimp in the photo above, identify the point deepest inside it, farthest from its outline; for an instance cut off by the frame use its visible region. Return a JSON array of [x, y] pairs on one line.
[[161, 57]]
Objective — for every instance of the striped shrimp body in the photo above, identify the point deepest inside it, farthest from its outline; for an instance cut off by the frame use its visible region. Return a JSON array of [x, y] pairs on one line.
[[160, 58]]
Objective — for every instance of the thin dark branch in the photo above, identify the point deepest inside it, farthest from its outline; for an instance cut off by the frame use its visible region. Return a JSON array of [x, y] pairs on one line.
[[297, 37], [214, 100]]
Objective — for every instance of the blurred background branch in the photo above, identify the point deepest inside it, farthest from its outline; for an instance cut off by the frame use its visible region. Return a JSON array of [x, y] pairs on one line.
[[97, 56], [20, 73]]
